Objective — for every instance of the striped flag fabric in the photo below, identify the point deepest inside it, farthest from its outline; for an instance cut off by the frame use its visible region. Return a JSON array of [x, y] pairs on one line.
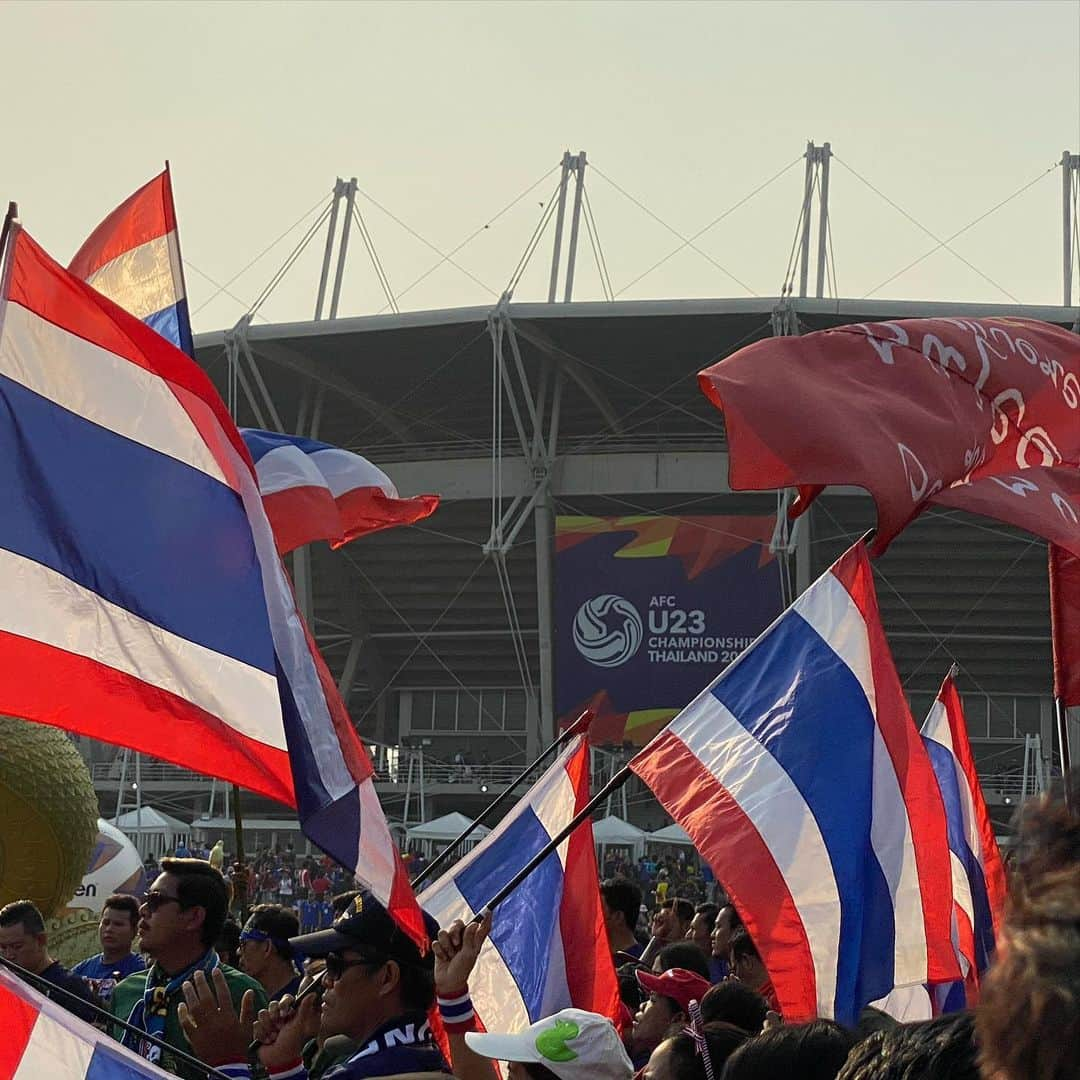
[[41, 1039], [1065, 630], [978, 874], [146, 604], [133, 258], [548, 948], [800, 777], [314, 491]]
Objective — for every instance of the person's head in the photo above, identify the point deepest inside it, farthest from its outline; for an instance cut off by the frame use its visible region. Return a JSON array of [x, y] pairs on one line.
[[814, 1051], [682, 954], [940, 1049], [672, 919], [571, 1045], [680, 1058], [746, 964], [621, 901], [341, 902], [668, 1003], [726, 923], [227, 945], [701, 927], [733, 1002], [374, 971], [23, 940], [265, 952], [116, 928], [183, 911]]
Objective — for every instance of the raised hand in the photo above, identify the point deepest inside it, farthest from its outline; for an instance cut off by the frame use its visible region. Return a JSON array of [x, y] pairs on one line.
[[284, 1027], [209, 1021], [456, 951]]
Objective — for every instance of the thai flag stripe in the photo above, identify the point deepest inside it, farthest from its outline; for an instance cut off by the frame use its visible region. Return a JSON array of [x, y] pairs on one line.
[[779, 771], [522, 974]]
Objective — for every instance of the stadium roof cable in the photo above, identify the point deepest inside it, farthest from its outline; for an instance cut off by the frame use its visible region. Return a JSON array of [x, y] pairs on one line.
[[597, 250], [534, 240], [376, 262], [959, 232], [933, 236], [687, 241]]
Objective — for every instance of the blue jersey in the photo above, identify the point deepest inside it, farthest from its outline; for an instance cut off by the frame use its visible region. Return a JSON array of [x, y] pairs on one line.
[[326, 914], [309, 913], [103, 977]]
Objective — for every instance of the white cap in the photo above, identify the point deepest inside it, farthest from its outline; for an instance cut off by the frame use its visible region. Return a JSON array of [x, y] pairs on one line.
[[573, 1044]]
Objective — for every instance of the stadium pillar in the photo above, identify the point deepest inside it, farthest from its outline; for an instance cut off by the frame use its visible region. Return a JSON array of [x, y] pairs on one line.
[[817, 175], [540, 734], [1070, 185]]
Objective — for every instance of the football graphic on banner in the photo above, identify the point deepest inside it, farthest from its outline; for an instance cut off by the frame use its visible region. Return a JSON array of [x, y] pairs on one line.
[[607, 630]]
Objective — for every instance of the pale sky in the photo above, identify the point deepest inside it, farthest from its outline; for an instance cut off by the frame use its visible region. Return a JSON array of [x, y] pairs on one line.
[[446, 112]]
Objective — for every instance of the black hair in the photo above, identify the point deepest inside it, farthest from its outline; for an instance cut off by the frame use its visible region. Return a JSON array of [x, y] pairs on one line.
[[123, 902], [742, 946], [227, 945], [622, 895], [686, 1061], [814, 1051], [279, 922], [535, 1071], [684, 910], [630, 991], [684, 954], [198, 884], [417, 986], [940, 1049], [343, 900], [710, 911], [24, 913], [735, 1003]]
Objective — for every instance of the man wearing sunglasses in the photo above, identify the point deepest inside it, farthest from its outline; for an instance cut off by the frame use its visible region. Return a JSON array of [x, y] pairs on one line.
[[265, 952], [377, 990], [180, 919]]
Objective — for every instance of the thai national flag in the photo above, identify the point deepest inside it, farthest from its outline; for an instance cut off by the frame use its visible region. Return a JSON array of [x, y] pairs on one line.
[[978, 874], [548, 948], [133, 258], [41, 1039], [314, 491], [145, 602], [800, 777]]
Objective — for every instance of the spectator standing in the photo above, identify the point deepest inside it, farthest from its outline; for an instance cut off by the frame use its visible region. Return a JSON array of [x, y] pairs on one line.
[[747, 966], [265, 952], [23, 941], [620, 901], [116, 961], [308, 909]]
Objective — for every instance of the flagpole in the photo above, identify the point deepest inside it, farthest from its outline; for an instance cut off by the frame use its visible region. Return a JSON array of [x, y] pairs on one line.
[[1064, 748], [580, 724], [240, 884], [613, 784]]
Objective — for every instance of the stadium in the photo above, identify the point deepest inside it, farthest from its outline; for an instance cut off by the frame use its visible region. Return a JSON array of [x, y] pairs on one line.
[[445, 637]]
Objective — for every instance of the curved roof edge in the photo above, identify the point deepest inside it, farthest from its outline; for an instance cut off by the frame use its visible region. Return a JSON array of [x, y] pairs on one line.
[[856, 309]]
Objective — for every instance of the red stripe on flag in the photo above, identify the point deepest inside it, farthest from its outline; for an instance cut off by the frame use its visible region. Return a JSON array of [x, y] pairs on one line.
[[143, 216], [590, 973], [742, 862], [78, 694], [17, 1019], [1065, 623], [918, 785], [302, 515], [368, 510]]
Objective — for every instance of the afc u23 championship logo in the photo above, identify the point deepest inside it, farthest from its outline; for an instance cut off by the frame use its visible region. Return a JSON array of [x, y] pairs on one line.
[[607, 630]]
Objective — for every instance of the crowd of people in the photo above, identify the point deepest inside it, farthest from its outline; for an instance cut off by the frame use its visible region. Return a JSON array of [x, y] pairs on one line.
[[354, 1000]]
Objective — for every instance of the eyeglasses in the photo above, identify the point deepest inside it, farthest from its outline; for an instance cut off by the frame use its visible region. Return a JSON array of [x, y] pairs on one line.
[[154, 900], [336, 964]]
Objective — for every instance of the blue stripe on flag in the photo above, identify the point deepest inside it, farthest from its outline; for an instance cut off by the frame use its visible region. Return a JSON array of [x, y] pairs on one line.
[[526, 921], [807, 708], [144, 531], [173, 324], [335, 827], [944, 765], [107, 1064], [260, 443]]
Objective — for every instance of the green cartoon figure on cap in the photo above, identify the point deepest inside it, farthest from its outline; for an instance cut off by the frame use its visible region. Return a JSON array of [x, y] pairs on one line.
[[552, 1043]]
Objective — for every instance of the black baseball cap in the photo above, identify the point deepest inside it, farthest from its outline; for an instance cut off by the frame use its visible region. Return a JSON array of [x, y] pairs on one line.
[[366, 926]]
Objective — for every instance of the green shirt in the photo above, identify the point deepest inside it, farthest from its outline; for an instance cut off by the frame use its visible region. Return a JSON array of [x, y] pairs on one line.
[[129, 991]]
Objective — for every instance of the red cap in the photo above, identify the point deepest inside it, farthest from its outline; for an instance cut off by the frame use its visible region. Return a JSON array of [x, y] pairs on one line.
[[677, 983]]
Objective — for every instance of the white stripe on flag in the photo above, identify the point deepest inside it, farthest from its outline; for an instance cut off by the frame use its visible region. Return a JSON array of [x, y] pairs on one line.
[[43, 605], [377, 849], [54, 1052], [287, 467], [101, 387], [555, 809], [344, 471], [831, 611], [776, 808], [140, 280]]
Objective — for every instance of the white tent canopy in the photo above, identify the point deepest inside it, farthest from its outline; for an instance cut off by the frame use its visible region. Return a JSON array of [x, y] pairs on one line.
[[435, 835], [671, 834], [152, 831], [612, 831]]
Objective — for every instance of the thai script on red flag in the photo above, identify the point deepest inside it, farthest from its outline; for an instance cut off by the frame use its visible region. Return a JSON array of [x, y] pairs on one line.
[[800, 777], [314, 491], [1065, 624], [146, 603], [548, 948], [133, 258], [978, 875], [41, 1039], [976, 414]]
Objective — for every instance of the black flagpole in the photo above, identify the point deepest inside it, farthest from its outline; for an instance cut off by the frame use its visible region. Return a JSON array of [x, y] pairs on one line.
[[580, 724]]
